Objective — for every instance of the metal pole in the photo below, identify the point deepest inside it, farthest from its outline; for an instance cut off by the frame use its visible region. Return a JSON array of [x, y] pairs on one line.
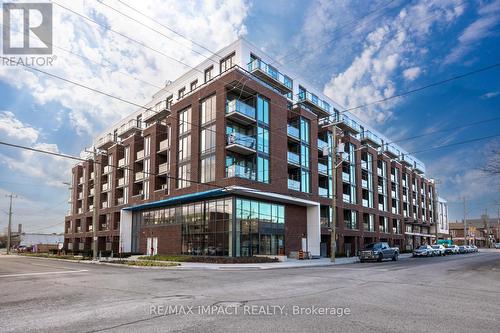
[[9, 227], [333, 240], [95, 211], [436, 212], [465, 224]]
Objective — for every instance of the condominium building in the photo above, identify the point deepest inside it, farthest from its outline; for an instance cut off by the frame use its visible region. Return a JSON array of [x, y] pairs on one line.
[[234, 158]]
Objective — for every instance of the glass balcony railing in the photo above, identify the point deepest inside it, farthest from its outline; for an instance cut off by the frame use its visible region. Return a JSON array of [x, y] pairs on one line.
[[293, 158], [323, 168], [240, 107], [293, 131], [323, 191], [367, 135], [240, 171], [322, 144], [271, 72], [351, 123], [241, 139], [306, 96], [294, 184], [392, 150]]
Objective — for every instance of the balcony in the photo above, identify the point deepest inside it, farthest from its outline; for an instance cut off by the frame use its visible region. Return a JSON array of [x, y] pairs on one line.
[[164, 145], [121, 182], [371, 139], [92, 175], [349, 125], [163, 169], [323, 169], [91, 208], [271, 76], [160, 110], [105, 187], [79, 211], [346, 177], [104, 205], [107, 169], [407, 160], [80, 195], [293, 184], [91, 192], [240, 112], [293, 158], [323, 192], [80, 180], [241, 143], [139, 176], [323, 146], [419, 167], [105, 141], [120, 201], [293, 132], [139, 155], [391, 151], [240, 171], [316, 105], [121, 163], [129, 128]]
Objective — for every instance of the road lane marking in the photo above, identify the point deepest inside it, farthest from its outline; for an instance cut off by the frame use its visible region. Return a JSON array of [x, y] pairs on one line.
[[43, 273]]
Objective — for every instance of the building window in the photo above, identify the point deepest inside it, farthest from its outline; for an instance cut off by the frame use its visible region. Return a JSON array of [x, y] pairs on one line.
[[383, 225], [183, 176], [207, 140], [227, 63], [209, 73], [194, 84], [184, 153], [260, 228], [208, 110], [350, 219], [368, 222], [262, 169], [208, 169], [169, 101], [184, 119], [181, 93]]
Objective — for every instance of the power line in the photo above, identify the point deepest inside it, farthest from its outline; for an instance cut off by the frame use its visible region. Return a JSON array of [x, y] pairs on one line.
[[453, 78]]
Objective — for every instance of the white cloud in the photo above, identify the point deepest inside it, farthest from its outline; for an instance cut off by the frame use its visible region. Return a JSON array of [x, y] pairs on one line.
[[13, 128], [490, 94], [211, 23], [396, 42], [489, 18], [412, 73]]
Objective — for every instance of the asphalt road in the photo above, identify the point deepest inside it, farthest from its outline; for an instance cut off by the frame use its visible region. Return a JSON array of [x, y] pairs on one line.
[[443, 294]]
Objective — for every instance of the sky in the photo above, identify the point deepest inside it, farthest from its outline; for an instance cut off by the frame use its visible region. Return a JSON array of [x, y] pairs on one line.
[[354, 51]]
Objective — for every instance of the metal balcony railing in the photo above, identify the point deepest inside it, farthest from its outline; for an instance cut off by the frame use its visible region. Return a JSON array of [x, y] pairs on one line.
[[293, 131], [293, 158]]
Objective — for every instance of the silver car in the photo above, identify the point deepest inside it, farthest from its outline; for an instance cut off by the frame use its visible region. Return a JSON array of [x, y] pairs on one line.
[[423, 251], [439, 250]]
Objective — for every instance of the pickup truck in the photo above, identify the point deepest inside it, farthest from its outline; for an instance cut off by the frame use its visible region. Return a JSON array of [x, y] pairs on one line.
[[379, 251]]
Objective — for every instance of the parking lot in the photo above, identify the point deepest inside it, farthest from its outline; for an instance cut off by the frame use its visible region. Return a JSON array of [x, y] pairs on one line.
[[449, 294]]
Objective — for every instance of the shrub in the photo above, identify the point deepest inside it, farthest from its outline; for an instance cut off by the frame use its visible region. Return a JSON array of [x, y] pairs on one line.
[[144, 263], [210, 259]]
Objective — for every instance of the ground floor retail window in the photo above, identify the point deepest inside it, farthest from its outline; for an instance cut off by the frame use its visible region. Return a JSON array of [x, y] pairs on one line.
[[260, 228]]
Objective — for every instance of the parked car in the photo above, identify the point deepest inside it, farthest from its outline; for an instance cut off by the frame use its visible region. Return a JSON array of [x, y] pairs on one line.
[[469, 249], [451, 249], [379, 251], [497, 246], [439, 250], [462, 249], [423, 251], [474, 248]]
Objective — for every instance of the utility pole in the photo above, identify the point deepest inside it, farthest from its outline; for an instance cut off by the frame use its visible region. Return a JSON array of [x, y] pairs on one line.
[[465, 222], [95, 216], [435, 211], [9, 227], [333, 240]]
